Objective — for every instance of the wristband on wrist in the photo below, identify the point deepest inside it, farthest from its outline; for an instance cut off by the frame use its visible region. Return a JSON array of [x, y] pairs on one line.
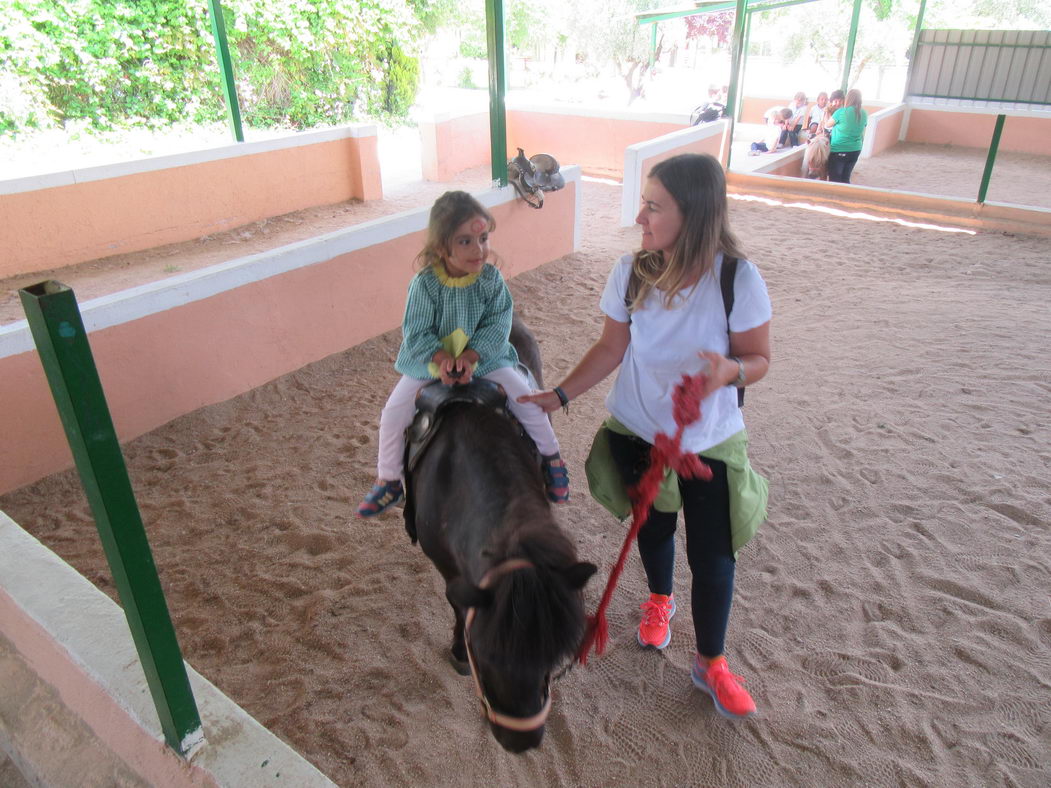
[[739, 382], [562, 398]]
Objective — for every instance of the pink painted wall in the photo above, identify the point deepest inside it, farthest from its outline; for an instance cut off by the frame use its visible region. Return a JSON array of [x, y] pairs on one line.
[[709, 145], [790, 165], [885, 132], [168, 363], [48, 228], [123, 746], [974, 130], [452, 145], [596, 144]]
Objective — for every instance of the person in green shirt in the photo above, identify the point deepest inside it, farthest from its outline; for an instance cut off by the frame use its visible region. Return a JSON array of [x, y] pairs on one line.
[[848, 132]]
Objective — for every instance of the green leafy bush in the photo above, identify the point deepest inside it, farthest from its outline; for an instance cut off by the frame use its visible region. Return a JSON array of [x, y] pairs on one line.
[[113, 63]]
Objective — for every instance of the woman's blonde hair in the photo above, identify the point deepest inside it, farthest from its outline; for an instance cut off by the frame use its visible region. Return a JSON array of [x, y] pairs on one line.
[[448, 212], [854, 100], [698, 185]]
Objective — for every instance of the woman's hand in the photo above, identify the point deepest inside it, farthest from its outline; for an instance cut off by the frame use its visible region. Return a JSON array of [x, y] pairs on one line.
[[548, 401], [721, 371]]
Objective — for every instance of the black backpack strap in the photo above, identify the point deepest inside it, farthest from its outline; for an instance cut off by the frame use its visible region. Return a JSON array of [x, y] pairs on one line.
[[726, 280]]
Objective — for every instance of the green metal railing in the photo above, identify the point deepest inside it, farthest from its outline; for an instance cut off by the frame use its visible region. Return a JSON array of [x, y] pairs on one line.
[[62, 343]]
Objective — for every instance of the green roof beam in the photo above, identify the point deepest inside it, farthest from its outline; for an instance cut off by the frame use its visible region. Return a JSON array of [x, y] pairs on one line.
[[661, 15]]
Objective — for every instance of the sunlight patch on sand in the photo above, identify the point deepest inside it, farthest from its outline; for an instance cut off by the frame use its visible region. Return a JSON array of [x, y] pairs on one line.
[[849, 214]]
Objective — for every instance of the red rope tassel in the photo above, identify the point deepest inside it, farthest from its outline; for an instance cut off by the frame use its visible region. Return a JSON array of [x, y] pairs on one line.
[[666, 453]]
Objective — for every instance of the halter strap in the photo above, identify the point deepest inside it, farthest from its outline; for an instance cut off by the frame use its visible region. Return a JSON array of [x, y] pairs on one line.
[[492, 715]]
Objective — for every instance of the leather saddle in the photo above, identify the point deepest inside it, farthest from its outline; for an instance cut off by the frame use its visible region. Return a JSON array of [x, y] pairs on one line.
[[431, 404]]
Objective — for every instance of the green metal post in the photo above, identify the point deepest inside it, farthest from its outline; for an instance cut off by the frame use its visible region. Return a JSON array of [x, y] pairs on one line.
[[494, 29], [226, 67], [736, 59], [848, 57], [994, 144], [653, 44], [915, 46], [62, 342]]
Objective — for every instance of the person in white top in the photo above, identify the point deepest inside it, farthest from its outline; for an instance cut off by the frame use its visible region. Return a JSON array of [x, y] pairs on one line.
[[817, 110], [665, 316]]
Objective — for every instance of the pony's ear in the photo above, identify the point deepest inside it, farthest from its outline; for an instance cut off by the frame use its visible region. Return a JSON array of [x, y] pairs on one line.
[[464, 594], [579, 574]]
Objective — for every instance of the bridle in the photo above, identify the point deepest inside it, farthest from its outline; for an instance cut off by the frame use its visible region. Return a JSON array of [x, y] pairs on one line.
[[497, 718]]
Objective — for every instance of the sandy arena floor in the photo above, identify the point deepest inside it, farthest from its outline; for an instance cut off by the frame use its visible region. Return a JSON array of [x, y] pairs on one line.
[[891, 618]]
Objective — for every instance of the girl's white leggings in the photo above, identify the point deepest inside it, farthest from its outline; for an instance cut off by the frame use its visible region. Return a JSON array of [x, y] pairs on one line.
[[401, 406]]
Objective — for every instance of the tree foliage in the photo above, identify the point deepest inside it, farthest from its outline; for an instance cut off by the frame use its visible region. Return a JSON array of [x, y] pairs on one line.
[[147, 62], [717, 26]]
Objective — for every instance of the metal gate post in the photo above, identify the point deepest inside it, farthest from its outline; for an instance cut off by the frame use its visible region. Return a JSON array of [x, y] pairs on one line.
[[62, 343]]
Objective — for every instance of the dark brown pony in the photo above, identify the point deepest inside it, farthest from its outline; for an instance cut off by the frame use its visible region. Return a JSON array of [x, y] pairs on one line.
[[476, 502]]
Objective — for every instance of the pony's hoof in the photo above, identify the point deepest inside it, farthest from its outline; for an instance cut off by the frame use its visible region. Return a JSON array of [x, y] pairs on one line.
[[461, 666]]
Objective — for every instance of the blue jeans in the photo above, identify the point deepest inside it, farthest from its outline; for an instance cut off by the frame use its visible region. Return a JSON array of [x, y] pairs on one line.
[[709, 551], [841, 164]]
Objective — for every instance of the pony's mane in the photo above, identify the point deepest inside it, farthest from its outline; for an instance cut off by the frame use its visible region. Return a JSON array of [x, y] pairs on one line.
[[535, 618]]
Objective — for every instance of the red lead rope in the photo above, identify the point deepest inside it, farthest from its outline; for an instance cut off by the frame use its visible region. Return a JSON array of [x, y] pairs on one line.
[[665, 453]]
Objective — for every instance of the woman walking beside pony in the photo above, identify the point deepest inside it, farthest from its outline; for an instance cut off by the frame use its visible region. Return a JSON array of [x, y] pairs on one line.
[[664, 317]]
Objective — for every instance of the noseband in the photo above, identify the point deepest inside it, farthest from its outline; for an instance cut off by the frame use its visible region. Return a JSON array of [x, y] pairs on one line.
[[503, 720]]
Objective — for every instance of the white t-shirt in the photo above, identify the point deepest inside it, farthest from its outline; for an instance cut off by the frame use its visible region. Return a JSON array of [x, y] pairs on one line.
[[664, 344]]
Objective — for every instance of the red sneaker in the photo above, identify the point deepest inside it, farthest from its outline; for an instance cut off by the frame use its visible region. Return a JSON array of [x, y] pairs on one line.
[[731, 699], [655, 627]]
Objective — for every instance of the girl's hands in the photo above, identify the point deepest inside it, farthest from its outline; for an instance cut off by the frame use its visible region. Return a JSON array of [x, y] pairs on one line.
[[455, 370]]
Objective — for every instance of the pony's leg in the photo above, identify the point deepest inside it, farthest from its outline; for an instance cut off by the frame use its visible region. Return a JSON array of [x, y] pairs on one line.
[[458, 650]]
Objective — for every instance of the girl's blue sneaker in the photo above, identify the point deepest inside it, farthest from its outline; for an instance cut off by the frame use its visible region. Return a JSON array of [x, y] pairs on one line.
[[381, 497], [556, 478]]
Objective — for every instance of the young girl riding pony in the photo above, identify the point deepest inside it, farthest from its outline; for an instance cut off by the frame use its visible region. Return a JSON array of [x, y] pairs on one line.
[[456, 326]]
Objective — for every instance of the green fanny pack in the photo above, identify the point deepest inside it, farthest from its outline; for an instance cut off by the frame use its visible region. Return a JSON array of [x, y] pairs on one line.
[[748, 489]]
